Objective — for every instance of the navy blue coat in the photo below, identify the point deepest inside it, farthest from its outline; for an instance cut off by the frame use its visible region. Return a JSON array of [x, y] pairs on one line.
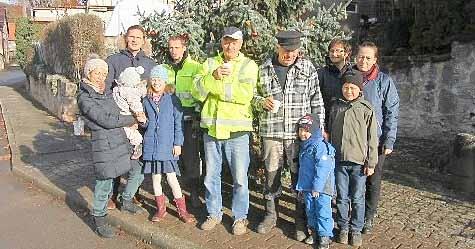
[[329, 79], [120, 61], [316, 165], [163, 129], [111, 149], [381, 93]]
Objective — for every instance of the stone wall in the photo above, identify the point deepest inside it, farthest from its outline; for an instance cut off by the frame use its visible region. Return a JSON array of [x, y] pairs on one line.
[[437, 93], [56, 93]]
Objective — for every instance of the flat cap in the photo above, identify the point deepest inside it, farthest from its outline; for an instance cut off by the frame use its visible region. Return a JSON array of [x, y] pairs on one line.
[[233, 32], [289, 40]]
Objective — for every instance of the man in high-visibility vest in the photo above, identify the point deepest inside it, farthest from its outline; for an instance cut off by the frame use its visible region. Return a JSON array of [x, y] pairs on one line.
[[181, 70], [226, 86]]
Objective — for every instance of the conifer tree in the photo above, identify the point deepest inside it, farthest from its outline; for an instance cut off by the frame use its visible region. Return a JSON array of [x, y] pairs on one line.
[[260, 20]]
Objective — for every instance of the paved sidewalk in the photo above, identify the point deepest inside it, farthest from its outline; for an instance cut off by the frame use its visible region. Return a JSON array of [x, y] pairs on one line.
[[44, 150]]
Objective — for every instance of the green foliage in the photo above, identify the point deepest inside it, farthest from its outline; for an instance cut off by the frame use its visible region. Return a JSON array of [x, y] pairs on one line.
[[260, 20], [68, 43], [436, 23], [26, 34]]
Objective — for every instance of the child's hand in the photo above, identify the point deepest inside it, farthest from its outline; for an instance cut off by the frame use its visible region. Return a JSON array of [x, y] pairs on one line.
[[368, 171], [315, 194], [135, 126], [140, 116], [176, 150]]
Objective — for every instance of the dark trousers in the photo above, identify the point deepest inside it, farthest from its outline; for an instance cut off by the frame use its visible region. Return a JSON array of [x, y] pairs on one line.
[[373, 187]]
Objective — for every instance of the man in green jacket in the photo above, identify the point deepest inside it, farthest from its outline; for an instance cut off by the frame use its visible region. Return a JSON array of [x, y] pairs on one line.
[[226, 86], [181, 70]]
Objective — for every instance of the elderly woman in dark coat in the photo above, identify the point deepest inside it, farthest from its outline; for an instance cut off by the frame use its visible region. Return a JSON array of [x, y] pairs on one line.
[[111, 150]]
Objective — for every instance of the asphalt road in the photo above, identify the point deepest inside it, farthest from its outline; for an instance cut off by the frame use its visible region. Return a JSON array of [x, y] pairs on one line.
[[32, 219]]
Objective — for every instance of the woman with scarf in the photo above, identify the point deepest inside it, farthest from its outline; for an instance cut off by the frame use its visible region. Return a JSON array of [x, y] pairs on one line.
[[380, 90]]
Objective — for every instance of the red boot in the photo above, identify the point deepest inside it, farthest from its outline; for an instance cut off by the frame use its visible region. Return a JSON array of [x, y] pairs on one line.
[[161, 208], [181, 208]]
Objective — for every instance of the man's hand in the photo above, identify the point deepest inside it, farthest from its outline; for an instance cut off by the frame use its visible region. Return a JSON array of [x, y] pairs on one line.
[[220, 72], [368, 171], [315, 194], [268, 103], [176, 150], [387, 151]]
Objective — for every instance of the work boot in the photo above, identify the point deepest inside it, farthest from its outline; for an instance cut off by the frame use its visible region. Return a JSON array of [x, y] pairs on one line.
[[102, 228], [300, 226], [210, 223], [324, 242], [368, 226], [312, 239], [270, 220], [129, 206], [182, 212], [356, 239], [240, 227], [342, 237], [161, 208]]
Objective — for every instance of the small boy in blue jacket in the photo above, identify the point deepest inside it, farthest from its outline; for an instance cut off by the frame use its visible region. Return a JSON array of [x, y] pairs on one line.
[[316, 181]]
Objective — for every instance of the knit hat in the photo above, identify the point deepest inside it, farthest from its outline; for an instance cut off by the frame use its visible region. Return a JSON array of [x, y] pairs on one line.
[[159, 72], [92, 63], [354, 77], [309, 122], [130, 76]]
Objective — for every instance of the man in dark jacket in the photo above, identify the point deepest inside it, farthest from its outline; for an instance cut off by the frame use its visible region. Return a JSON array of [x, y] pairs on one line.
[[132, 56], [379, 89], [329, 76]]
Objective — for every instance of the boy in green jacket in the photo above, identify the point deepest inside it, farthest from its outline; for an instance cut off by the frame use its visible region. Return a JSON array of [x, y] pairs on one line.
[[352, 127]]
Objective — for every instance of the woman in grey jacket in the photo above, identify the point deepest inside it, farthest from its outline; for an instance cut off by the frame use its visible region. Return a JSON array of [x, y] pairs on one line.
[[111, 150]]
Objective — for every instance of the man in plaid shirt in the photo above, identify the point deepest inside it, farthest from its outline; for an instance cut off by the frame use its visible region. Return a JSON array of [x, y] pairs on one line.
[[288, 90]]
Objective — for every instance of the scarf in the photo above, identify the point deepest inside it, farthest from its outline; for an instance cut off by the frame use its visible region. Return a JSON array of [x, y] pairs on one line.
[[370, 74]]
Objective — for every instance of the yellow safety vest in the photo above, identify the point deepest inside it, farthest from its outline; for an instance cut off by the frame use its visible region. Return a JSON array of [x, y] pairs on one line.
[[227, 102], [183, 80]]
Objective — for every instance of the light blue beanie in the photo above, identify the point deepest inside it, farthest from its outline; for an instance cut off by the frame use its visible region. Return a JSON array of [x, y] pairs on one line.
[[159, 72]]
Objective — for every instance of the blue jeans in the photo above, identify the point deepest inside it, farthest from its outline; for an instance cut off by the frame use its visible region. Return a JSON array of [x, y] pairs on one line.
[[319, 213], [350, 187], [103, 189], [236, 151]]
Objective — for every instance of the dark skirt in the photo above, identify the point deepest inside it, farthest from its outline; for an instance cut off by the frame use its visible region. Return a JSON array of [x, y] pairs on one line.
[[161, 167]]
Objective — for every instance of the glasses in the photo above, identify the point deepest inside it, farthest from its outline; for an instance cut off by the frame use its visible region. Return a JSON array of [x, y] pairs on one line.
[[339, 51]]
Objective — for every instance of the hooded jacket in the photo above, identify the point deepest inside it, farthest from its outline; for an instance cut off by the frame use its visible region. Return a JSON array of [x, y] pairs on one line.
[[317, 164]]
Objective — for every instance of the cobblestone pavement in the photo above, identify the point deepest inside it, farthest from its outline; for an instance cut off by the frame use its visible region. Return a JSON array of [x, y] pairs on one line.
[[416, 210]]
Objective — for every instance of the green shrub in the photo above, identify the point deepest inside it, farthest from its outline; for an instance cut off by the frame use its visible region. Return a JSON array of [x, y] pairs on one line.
[[26, 34], [68, 42]]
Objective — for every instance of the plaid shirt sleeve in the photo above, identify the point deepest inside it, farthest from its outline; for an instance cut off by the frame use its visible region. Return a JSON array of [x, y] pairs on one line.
[[316, 101]]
